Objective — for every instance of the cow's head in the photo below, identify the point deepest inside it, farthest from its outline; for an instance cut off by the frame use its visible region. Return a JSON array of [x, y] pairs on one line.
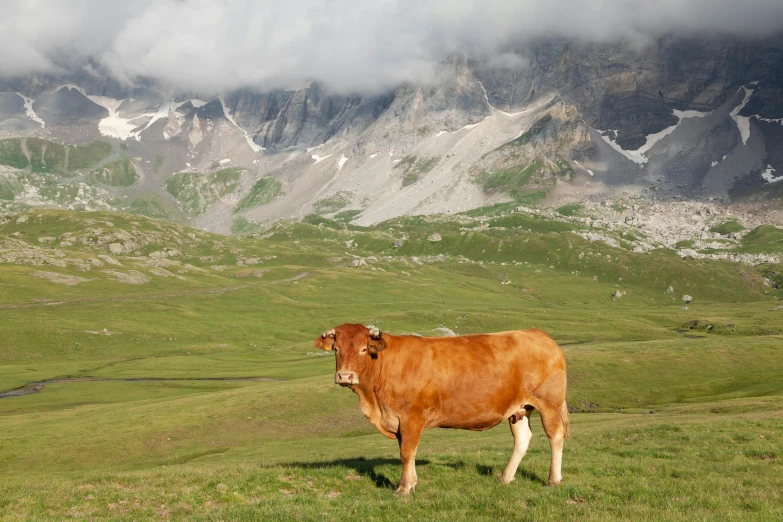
[[355, 348]]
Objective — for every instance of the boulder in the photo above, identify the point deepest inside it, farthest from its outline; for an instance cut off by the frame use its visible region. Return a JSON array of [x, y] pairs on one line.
[[687, 299], [434, 237]]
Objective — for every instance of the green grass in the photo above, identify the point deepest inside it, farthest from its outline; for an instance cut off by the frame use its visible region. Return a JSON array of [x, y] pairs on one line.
[[159, 163], [197, 192], [727, 227], [333, 203], [46, 156], [672, 420], [50, 157], [242, 227], [120, 173], [150, 205], [763, 239], [571, 210], [85, 157], [264, 191], [346, 216], [506, 179], [11, 153], [10, 187]]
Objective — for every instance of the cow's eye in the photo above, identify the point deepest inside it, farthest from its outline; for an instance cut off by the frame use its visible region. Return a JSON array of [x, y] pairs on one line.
[[334, 348], [363, 350]]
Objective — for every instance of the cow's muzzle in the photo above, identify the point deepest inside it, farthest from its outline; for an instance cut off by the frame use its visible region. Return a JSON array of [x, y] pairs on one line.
[[346, 378]]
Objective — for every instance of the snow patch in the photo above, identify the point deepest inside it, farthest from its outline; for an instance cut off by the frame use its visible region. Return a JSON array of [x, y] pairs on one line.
[[590, 172], [769, 120], [197, 103], [114, 125], [225, 161], [311, 149], [638, 156], [743, 122], [319, 159], [470, 126], [441, 133], [28, 108], [342, 161], [372, 156], [767, 175], [253, 145], [714, 163]]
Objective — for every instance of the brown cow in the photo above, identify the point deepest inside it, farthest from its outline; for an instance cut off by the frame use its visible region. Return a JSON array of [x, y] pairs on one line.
[[407, 384]]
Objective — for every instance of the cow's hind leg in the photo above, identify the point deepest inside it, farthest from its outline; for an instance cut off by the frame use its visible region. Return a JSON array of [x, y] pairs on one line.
[[520, 428], [555, 421]]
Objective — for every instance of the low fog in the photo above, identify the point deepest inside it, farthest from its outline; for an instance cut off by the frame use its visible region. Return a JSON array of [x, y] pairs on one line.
[[348, 45]]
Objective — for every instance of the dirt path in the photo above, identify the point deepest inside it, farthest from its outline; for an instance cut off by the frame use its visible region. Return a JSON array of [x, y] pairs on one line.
[[35, 387], [154, 296]]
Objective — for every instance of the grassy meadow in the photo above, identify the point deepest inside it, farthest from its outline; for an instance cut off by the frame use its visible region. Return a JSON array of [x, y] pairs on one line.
[[194, 393]]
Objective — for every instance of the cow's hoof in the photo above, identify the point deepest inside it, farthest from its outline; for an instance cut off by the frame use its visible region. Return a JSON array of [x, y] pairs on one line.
[[554, 482], [504, 480], [405, 490]]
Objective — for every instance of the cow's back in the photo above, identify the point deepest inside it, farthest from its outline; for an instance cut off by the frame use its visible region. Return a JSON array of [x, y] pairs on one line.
[[470, 382]]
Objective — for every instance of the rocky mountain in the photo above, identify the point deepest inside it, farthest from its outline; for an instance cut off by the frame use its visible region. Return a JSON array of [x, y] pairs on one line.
[[553, 121]]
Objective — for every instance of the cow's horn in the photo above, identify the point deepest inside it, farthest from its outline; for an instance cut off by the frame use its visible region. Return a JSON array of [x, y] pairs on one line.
[[329, 333], [375, 333]]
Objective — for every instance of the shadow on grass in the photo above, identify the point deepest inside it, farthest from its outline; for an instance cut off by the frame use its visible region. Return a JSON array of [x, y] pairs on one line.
[[362, 466], [367, 468], [489, 471]]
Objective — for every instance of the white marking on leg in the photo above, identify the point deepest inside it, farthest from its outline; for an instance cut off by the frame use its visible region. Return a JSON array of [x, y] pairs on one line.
[[556, 442], [522, 435]]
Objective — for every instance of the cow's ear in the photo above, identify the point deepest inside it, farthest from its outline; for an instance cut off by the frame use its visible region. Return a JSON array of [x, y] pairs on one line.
[[376, 343], [325, 341]]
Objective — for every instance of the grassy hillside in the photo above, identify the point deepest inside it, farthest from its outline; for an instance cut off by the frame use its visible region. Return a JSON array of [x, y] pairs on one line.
[[180, 381], [198, 191]]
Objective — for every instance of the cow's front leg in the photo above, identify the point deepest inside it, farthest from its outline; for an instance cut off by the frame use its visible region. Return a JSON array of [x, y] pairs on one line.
[[408, 437]]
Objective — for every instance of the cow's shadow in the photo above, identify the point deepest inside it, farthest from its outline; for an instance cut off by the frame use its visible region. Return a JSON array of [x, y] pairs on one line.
[[368, 468], [362, 466]]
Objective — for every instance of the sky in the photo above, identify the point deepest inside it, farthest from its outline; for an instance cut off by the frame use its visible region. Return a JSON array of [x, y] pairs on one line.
[[348, 45]]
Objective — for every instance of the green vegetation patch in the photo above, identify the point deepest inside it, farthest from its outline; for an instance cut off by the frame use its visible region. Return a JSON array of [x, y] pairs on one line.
[[87, 156], [197, 191], [414, 167], [120, 173], [763, 239], [159, 163], [242, 227], [333, 203], [571, 210], [346, 216], [10, 187], [517, 181], [11, 153], [265, 190], [46, 156], [727, 228], [150, 205]]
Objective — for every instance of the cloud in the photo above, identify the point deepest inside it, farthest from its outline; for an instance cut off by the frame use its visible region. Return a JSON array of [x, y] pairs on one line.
[[349, 45]]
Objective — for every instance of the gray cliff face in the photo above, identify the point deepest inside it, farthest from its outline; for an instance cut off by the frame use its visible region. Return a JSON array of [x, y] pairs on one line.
[[634, 91], [306, 118]]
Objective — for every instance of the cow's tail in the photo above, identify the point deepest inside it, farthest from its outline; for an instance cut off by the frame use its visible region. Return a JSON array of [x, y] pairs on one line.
[[565, 419]]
